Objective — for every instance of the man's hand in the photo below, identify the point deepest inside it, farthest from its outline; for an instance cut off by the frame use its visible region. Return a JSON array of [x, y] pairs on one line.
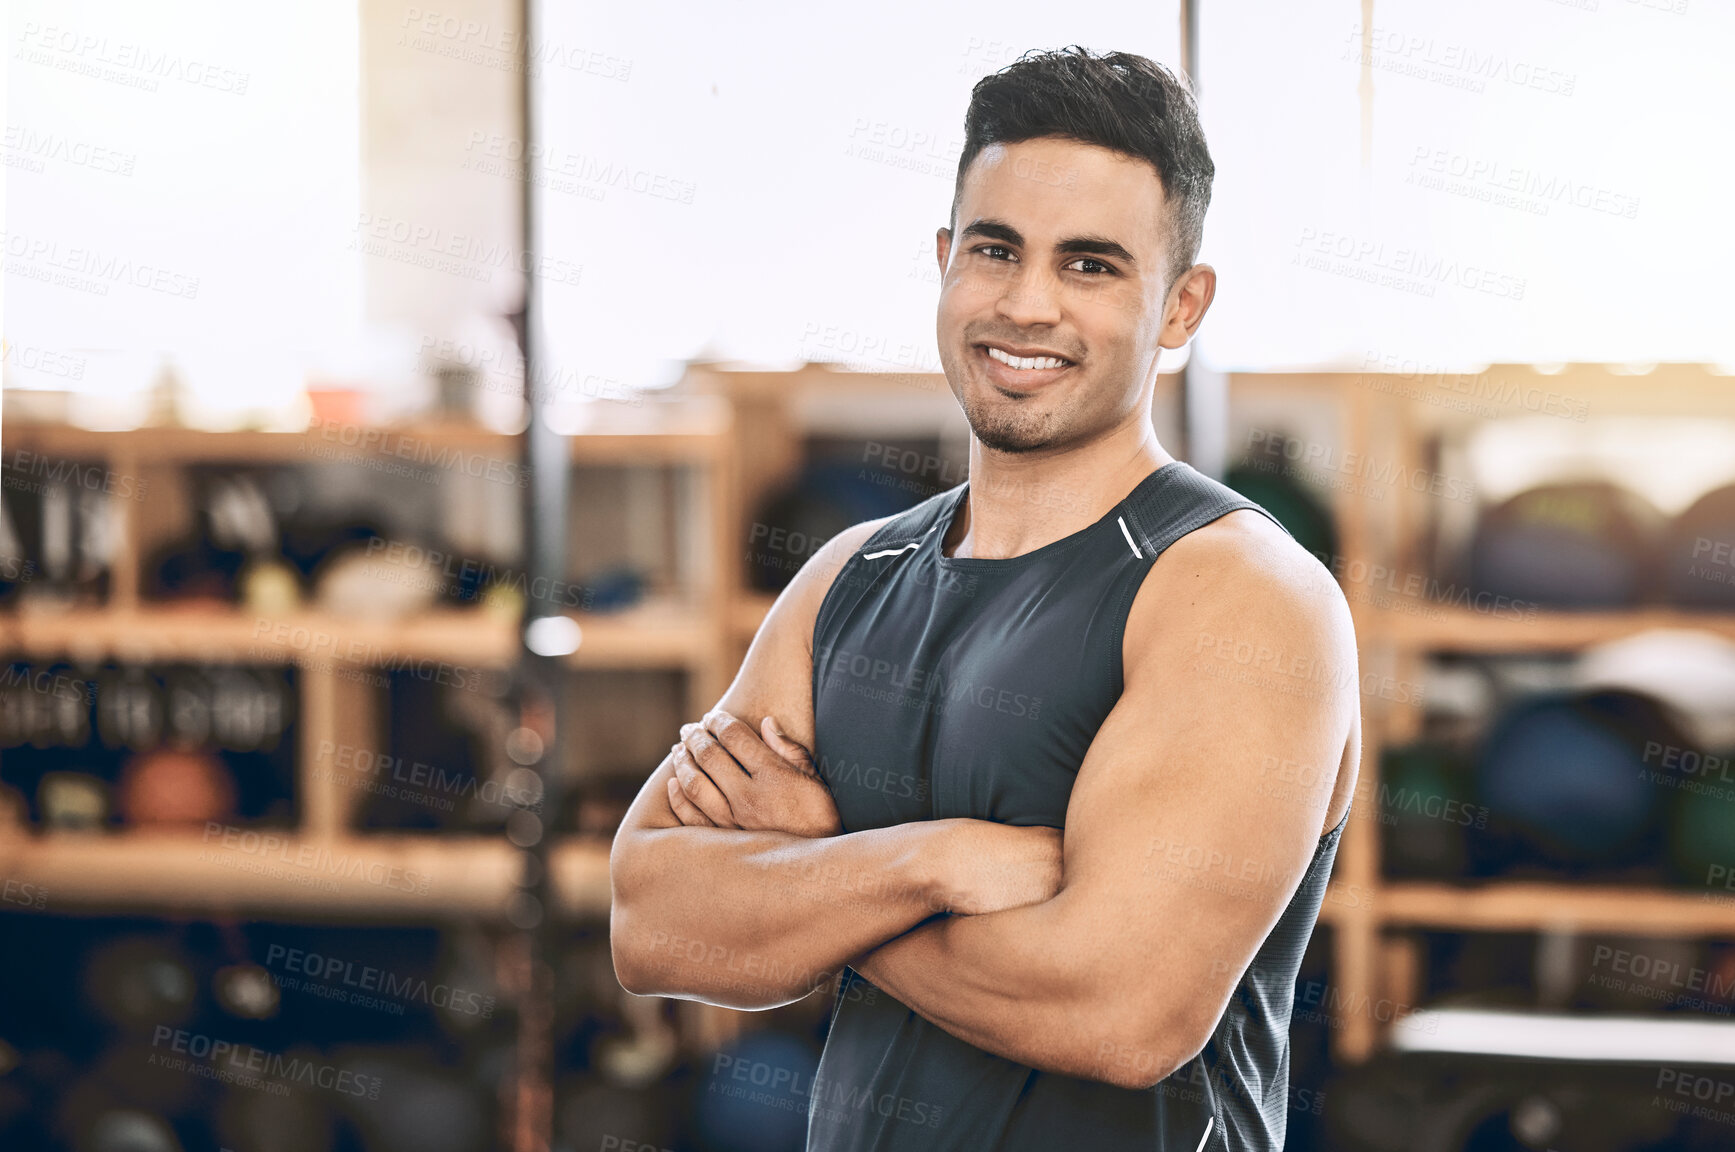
[[728, 776]]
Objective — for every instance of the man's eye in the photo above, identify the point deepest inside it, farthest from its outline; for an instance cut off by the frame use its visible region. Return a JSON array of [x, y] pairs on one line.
[[989, 250], [1098, 265]]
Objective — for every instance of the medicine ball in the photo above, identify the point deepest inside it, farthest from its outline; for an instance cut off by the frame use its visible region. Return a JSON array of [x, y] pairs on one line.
[[755, 1094], [1584, 545], [1699, 556], [1564, 779], [174, 787], [1701, 816]]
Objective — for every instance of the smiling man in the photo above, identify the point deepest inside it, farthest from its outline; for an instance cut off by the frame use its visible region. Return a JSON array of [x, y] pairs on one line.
[[1084, 729]]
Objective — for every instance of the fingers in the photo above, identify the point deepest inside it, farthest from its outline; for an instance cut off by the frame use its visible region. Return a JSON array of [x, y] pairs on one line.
[[685, 810], [743, 743], [713, 755], [784, 746], [701, 790]]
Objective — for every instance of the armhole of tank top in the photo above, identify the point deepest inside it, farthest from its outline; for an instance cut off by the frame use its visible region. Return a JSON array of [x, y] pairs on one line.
[[1342, 823], [892, 533], [1125, 593], [828, 608]]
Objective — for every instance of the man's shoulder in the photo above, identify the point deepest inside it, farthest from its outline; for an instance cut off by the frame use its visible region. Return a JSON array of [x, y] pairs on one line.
[[1242, 546], [797, 606], [1244, 572]]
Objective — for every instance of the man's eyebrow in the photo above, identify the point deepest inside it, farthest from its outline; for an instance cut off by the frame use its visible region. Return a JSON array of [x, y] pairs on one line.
[[1071, 246], [994, 230], [1095, 246]]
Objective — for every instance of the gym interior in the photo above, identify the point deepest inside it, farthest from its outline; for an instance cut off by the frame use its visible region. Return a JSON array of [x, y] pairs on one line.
[[411, 414]]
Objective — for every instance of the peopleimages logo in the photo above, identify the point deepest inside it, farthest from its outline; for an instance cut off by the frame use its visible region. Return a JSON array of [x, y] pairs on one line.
[[917, 686], [316, 861], [356, 980], [242, 1060]]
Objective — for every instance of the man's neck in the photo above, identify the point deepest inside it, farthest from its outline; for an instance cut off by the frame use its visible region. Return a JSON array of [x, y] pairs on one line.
[[1019, 502]]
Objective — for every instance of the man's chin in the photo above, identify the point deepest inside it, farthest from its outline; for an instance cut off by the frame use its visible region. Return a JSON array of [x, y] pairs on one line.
[[1012, 440], [1012, 425], [1011, 445]]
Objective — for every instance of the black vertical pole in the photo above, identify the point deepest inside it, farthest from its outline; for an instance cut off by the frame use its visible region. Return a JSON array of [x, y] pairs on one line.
[[545, 639], [1204, 394]]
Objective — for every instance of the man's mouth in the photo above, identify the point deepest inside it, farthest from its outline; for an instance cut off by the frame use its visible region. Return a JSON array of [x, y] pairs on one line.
[[1025, 363], [1008, 368]]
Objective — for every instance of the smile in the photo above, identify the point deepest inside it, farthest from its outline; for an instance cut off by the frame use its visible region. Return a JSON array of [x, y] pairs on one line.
[[1026, 363], [1020, 372]]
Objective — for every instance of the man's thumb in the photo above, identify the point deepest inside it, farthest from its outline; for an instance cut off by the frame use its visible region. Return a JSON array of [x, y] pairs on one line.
[[781, 744]]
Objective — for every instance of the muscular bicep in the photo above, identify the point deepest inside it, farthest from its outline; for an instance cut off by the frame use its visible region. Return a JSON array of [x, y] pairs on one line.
[[1199, 804]]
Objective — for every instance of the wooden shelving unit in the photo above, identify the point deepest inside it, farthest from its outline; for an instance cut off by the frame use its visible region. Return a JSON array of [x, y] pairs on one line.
[[1394, 416], [743, 431], [321, 871]]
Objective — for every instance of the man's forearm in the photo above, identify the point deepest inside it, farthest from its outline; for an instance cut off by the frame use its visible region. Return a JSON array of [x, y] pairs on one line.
[[757, 919], [1018, 984]]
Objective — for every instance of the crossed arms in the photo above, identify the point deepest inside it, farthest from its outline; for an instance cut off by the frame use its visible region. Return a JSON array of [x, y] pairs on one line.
[[1107, 954]]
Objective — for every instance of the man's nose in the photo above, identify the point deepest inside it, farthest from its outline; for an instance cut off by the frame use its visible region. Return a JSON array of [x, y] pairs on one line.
[[1030, 298]]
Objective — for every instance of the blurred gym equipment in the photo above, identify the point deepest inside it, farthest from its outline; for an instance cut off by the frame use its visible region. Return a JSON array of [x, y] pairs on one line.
[[1583, 545], [1563, 777]]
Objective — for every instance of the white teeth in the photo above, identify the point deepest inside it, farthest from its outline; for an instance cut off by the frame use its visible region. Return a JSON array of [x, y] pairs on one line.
[[1025, 363]]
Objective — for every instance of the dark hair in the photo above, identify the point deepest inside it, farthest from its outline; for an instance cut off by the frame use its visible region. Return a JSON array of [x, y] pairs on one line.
[[1119, 101]]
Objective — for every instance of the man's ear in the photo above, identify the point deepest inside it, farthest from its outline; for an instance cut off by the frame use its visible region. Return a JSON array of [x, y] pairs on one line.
[[943, 248], [1189, 299]]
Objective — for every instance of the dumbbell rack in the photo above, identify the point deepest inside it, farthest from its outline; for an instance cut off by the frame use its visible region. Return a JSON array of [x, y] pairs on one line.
[[151, 871]]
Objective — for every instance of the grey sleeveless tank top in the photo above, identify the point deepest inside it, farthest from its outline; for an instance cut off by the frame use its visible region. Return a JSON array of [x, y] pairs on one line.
[[947, 687]]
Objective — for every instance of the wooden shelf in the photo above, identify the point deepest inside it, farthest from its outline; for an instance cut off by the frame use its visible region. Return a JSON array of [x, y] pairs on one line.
[[320, 443], [662, 634], [816, 377], [1451, 629], [658, 433], [416, 878], [1434, 398], [1522, 906], [233, 635], [698, 439], [651, 635]]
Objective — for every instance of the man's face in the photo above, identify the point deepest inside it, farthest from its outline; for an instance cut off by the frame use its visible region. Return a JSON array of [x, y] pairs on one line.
[[1060, 250]]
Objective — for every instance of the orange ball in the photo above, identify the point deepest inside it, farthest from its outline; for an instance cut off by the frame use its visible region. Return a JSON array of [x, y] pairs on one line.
[[172, 787]]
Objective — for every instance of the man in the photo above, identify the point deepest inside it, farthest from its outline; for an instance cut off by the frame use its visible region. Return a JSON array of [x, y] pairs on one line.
[[1085, 636]]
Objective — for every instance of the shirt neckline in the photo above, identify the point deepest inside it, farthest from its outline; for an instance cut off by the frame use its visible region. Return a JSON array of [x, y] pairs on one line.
[[943, 528]]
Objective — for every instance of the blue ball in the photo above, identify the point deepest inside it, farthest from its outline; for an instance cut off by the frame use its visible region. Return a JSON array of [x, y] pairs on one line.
[[754, 1094], [1567, 776]]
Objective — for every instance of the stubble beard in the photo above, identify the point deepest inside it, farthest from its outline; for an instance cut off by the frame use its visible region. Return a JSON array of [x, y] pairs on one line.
[[1011, 432]]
